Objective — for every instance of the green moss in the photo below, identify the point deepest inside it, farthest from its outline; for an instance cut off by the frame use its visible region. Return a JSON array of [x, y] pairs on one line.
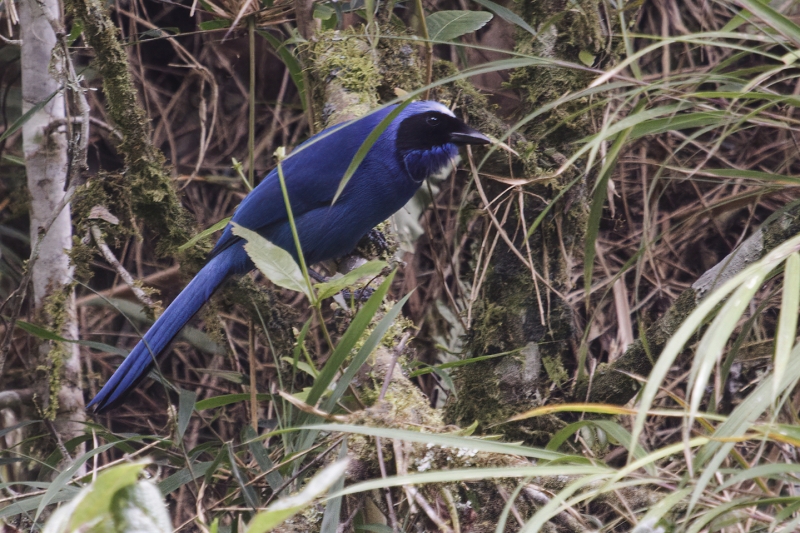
[[80, 257], [562, 34], [345, 76], [556, 372], [54, 316], [400, 67], [148, 188]]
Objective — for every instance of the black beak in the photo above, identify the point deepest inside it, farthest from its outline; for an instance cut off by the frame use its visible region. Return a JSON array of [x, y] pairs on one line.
[[468, 135]]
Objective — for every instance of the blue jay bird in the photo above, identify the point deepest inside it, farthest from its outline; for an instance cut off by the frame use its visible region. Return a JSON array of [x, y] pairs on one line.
[[421, 141]]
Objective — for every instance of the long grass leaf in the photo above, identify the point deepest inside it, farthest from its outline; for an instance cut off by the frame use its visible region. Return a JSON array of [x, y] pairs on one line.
[[693, 321], [348, 340], [716, 337], [449, 441], [787, 324], [363, 353], [709, 458], [774, 19], [366, 146], [27, 115], [507, 15], [477, 474], [203, 234], [186, 400], [333, 507], [65, 477], [248, 492]]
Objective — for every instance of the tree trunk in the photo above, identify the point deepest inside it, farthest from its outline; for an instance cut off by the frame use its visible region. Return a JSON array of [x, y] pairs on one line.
[[58, 378]]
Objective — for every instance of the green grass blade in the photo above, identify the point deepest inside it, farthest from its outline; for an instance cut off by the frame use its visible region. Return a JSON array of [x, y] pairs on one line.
[[363, 353], [348, 340], [449, 441], [686, 330], [365, 147], [507, 15], [291, 62], [477, 474], [65, 477], [774, 19], [186, 401], [248, 492], [787, 324], [596, 211], [716, 337], [27, 115], [203, 234]]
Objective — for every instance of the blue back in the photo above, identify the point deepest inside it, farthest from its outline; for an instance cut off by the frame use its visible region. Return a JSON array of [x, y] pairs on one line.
[[381, 185]]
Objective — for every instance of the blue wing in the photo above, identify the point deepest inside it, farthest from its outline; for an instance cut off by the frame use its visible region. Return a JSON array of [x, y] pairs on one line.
[[312, 174]]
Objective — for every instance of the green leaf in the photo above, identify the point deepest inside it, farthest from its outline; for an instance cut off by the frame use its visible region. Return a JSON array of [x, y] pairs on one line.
[[14, 160], [140, 507], [366, 349], [596, 211], [323, 11], [227, 399], [60, 482], [507, 15], [773, 18], [787, 323], [228, 375], [291, 62], [27, 115], [248, 492], [186, 401], [75, 32], [261, 456], [768, 470], [365, 147], [583, 473], [716, 337], [101, 492], [334, 286], [302, 365], [449, 25], [333, 507], [46, 334], [357, 327], [277, 513], [183, 476], [203, 234], [587, 58], [449, 441], [215, 24], [273, 261]]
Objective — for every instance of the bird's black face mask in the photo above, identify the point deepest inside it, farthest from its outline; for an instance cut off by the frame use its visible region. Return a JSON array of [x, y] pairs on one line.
[[426, 131]]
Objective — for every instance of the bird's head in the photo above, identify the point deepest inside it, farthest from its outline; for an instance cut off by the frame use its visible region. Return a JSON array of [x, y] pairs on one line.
[[428, 136]]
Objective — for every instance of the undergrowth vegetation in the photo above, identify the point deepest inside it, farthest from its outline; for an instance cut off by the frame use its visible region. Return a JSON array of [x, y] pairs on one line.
[[294, 405]]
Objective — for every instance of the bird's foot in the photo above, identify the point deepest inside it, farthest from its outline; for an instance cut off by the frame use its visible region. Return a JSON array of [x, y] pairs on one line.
[[377, 239], [375, 244]]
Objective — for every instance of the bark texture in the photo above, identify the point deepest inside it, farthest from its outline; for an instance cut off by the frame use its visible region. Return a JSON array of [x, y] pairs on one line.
[[58, 387]]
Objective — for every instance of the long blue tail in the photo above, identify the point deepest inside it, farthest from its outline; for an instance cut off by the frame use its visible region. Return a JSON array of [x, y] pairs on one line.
[[142, 358]]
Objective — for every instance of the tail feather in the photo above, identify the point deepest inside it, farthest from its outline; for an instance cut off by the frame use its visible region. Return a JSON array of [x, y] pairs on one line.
[[142, 358]]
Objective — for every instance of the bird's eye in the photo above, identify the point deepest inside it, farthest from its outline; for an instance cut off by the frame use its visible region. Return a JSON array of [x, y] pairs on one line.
[[433, 121]]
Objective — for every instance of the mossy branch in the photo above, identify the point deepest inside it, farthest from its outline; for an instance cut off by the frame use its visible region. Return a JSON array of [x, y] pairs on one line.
[[152, 196]]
